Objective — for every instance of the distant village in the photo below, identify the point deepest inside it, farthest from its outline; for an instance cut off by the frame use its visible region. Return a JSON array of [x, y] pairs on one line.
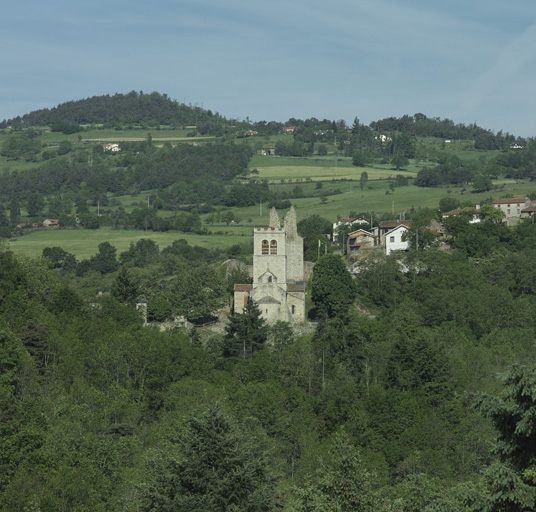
[[390, 235]]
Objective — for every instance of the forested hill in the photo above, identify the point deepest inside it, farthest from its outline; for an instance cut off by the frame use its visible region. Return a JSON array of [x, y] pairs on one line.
[[133, 107]]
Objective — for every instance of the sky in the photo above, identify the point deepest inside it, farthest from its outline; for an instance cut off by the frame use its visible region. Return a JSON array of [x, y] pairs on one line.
[[465, 60]]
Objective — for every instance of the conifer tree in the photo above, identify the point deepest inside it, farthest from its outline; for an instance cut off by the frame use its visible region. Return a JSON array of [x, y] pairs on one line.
[[513, 479], [246, 332], [123, 289], [218, 469]]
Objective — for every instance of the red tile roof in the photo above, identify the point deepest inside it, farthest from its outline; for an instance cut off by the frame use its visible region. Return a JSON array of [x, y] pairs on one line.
[[243, 287], [509, 200]]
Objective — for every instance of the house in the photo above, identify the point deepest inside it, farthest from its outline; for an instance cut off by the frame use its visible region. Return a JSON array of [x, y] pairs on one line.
[[394, 239], [512, 206], [359, 239], [529, 212], [387, 225], [475, 211], [289, 129], [267, 150], [114, 148], [51, 223], [278, 272], [348, 221]]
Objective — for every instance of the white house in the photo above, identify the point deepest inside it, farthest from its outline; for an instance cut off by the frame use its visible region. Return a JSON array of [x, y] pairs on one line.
[[393, 239]]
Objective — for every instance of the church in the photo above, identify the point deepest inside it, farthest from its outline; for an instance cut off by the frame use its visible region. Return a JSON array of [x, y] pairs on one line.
[[278, 286]]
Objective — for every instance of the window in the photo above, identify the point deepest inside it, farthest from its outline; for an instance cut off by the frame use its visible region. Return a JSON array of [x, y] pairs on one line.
[[508, 211], [293, 308], [265, 247], [269, 279], [391, 239], [273, 247]]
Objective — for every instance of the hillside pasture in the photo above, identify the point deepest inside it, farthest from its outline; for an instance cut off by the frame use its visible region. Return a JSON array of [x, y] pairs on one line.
[[275, 169], [375, 199], [84, 243]]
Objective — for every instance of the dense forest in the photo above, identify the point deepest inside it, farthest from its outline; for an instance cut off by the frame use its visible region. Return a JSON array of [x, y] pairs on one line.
[[132, 108], [101, 412]]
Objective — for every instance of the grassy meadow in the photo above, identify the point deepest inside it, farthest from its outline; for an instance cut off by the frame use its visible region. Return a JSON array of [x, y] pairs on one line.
[[83, 243]]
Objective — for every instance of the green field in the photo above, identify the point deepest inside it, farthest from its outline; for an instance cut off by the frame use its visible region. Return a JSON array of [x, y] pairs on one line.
[[84, 243], [275, 169], [374, 199]]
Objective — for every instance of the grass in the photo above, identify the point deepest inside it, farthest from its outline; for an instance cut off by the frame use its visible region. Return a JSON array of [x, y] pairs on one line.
[[84, 243], [374, 199]]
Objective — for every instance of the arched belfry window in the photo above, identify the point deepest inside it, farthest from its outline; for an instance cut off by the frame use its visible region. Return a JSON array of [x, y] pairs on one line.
[[269, 279], [273, 247], [265, 247]]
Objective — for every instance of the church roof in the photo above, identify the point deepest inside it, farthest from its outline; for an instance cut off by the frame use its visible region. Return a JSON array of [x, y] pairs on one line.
[[268, 300], [243, 287], [296, 287]]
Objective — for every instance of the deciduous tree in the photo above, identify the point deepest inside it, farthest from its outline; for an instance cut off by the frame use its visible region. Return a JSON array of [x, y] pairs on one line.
[[333, 288]]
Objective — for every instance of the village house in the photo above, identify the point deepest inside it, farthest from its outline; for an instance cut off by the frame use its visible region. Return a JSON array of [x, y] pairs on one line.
[[393, 239], [267, 151], [51, 223], [387, 225], [475, 211], [348, 221], [278, 272], [529, 212], [512, 207], [359, 239]]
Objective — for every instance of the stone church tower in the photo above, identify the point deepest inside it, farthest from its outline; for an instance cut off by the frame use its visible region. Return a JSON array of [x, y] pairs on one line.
[[278, 283]]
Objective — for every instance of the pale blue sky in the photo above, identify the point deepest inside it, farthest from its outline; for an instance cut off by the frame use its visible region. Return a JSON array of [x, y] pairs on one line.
[[467, 60]]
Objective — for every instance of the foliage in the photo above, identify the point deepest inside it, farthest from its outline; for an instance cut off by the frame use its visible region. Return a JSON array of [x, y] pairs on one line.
[[333, 289], [123, 288], [342, 484], [246, 332], [512, 482], [198, 293], [314, 230], [491, 213], [20, 146], [217, 468]]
